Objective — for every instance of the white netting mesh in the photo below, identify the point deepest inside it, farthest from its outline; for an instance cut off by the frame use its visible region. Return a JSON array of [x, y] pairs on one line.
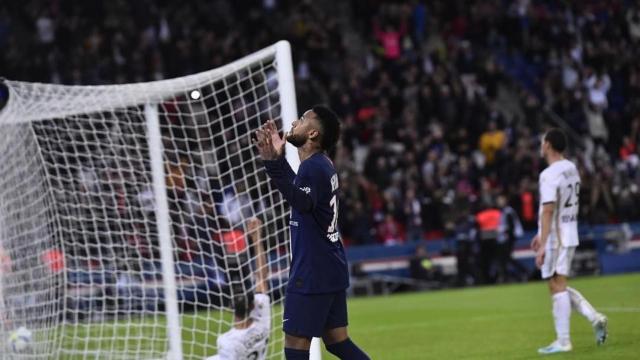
[[76, 183]]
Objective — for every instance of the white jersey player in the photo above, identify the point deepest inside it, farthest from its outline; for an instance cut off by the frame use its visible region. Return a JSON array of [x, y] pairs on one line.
[[559, 187], [251, 342], [557, 240], [248, 338]]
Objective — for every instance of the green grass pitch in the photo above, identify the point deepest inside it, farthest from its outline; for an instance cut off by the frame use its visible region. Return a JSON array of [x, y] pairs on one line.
[[497, 322]]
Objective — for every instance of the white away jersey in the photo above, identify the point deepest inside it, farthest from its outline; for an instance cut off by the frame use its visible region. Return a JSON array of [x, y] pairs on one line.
[[249, 343], [560, 184]]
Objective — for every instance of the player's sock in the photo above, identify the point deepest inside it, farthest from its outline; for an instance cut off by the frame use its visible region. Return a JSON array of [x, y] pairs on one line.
[[295, 354], [581, 305], [561, 315], [347, 350]]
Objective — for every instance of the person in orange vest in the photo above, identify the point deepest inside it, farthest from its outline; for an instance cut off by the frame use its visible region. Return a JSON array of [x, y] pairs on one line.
[[231, 245], [488, 220], [54, 260]]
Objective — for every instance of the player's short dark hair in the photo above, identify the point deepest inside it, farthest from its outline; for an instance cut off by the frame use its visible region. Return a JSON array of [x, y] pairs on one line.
[[557, 139], [330, 126], [242, 305]]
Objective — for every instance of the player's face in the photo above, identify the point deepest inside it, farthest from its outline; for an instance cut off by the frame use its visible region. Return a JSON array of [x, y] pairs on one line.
[[301, 129]]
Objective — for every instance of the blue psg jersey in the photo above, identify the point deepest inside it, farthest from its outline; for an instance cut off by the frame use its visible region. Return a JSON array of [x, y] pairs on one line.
[[318, 263]]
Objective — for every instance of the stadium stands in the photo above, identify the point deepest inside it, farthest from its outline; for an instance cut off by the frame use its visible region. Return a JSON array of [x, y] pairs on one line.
[[443, 102]]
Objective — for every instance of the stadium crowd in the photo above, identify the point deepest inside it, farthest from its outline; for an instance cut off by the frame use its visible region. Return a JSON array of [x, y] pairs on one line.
[[443, 102]]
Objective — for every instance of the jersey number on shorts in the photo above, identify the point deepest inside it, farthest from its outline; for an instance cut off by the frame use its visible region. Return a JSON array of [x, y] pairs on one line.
[[253, 356], [573, 189]]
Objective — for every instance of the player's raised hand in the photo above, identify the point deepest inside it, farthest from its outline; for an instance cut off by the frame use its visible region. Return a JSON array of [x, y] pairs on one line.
[[264, 144], [277, 141]]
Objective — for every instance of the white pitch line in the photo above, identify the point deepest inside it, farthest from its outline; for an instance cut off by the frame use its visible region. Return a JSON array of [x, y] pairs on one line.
[[620, 309]]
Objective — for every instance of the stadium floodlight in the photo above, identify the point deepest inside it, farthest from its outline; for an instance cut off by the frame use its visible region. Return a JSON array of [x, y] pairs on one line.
[[123, 207]]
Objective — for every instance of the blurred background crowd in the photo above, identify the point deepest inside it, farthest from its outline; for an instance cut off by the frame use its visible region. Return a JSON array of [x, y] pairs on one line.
[[443, 102]]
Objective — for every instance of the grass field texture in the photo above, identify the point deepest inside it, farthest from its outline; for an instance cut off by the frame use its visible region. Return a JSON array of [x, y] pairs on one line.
[[497, 322]]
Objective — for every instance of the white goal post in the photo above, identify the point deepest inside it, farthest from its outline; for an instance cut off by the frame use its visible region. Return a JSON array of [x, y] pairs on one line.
[[123, 211]]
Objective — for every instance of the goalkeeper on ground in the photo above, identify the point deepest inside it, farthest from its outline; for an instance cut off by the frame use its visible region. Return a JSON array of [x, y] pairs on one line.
[[247, 339]]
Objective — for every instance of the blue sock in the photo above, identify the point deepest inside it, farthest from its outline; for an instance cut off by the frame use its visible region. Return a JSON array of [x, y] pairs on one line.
[[347, 350], [295, 354]]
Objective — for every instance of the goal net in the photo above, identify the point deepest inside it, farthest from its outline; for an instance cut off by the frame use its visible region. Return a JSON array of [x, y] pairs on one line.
[[124, 209]]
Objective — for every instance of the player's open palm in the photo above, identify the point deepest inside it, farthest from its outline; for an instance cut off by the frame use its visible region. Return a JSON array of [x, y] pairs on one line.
[[277, 141], [263, 141]]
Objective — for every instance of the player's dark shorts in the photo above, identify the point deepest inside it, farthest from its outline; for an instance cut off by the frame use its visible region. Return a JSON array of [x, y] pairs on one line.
[[309, 315]]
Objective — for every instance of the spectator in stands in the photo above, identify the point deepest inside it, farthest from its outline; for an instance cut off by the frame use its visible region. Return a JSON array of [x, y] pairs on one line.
[[231, 240], [526, 201], [129, 289], [492, 141], [598, 85], [488, 220], [465, 235], [53, 259], [510, 230], [390, 39], [628, 149], [389, 232], [231, 250], [421, 267], [139, 241], [598, 130], [626, 193], [359, 227], [600, 203], [413, 214], [202, 228], [464, 67], [237, 204], [633, 21]]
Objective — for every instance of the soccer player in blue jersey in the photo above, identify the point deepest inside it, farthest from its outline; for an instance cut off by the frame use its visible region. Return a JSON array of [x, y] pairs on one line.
[[316, 302]]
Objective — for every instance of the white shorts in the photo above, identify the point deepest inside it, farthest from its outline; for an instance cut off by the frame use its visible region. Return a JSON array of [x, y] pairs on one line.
[[557, 261]]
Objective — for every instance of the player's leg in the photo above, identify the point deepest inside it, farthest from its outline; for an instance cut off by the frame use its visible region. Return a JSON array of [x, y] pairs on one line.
[[304, 318], [335, 337], [597, 320], [577, 301], [555, 270], [581, 305], [561, 306], [296, 347], [561, 310], [338, 343]]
